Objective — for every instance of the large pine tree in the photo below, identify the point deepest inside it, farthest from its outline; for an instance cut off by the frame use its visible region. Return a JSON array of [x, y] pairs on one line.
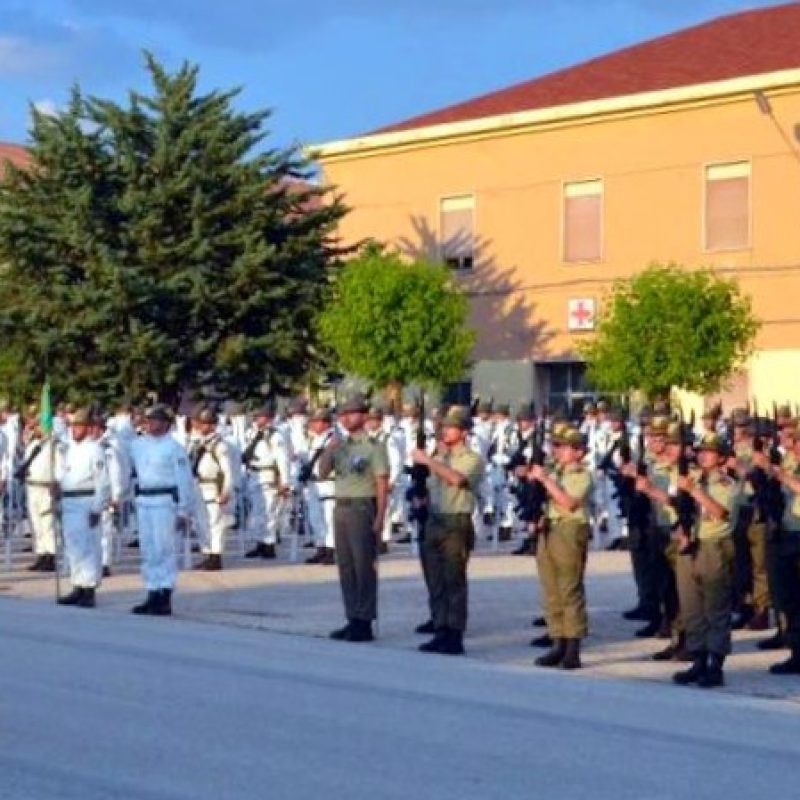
[[158, 245]]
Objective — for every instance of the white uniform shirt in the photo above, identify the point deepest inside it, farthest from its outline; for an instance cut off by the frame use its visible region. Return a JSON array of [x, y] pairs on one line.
[[270, 461], [161, 463], [81, 467]]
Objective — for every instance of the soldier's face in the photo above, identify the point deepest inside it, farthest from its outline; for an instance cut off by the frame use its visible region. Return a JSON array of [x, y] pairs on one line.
[[567, 454], [263, 421], [672, 452], [353, 420], [452, 435], [156, 427], [79, 432], [656, 445], [709, 459]]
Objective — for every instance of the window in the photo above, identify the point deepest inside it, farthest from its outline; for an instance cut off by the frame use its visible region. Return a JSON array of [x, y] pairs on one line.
[[457, 394], [457, 231], [583, 221], [727, 211]]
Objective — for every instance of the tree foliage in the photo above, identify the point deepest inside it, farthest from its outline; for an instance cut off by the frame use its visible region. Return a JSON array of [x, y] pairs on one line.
[[392, 322], [159, 245], [668, 327]]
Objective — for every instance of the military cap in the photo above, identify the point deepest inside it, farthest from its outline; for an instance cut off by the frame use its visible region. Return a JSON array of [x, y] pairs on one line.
[[355, 404], [297, 406], [660, 407], [457, 417], [375, 412], [569, 436], [659, 426], [205, 414], [81, 417], [32, 411], [322, 415], [409, 409], [711, 442], [616, 415], [525, 413], [602, 405], [783, 412], [589, 408], [266, 409], [740, 418], [503, 408], [673, 433], [559, 426], [485, 407], [159, 412]]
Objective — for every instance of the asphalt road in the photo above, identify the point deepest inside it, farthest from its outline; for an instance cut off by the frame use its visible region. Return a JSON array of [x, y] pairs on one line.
[[96, 705]]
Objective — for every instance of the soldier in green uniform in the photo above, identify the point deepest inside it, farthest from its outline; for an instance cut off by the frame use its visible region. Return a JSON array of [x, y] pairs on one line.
[[562, 549], [663, 445], [362, 477], [705, 572], [784, 545], [456, 475]]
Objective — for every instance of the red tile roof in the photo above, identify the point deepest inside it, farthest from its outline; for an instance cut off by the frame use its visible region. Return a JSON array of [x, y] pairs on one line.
[[14, 153], [749, 43]]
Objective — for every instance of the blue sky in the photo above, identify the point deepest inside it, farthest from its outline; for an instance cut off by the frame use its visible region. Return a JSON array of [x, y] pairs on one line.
[[327, 68]]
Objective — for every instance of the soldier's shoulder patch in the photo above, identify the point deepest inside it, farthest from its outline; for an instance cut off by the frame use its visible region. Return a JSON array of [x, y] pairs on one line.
[[182, 461]]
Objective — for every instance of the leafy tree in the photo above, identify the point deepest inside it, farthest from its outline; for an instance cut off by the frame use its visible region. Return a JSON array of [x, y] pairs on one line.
[[156, 245], [668, 327], [394, 323]]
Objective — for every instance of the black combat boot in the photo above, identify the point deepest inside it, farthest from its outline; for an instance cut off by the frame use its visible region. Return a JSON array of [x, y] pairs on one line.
[[148, 606], [48, 563], [542, 641], [637, 613], [106, 571], [775, 642], [572, 655], [163, 607], [713, 676], [695, 672], [211, 563], [790, 667], [342, 634], [87, 599], [555, 656], [525, 547], [453, 644], [759, 621], [361, 631], [539, 622], [436, 644], [37, 565], [383, 548], [317, 557], [426, 628], [72, 599], [257, 551], [328, 556], [742, 617], [651, 629]]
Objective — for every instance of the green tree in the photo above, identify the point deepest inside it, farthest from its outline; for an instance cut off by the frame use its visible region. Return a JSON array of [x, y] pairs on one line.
[[395, 323], [668, 327], [159, 245]]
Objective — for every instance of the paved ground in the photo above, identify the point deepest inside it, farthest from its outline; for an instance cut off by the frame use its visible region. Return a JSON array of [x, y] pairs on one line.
[[98, 705], [305, 600]]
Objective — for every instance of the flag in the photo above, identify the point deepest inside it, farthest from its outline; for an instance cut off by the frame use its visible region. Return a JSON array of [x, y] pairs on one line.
[[46, 410]]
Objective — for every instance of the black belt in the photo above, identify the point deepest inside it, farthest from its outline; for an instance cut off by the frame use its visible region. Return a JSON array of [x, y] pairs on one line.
[[78, 493], [37, 483], [354, 501], [156, 492], [207, 481], [459, 515], [264, 469]]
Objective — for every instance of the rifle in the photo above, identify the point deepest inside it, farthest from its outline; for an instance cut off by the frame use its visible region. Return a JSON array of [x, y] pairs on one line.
[[685, 505], [418, 491], [535, 498]]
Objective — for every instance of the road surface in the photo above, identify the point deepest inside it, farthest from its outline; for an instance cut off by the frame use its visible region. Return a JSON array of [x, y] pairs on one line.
[[104, 706]]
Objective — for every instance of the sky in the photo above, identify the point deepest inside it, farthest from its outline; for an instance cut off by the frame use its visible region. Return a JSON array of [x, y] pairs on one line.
[[328, 69]]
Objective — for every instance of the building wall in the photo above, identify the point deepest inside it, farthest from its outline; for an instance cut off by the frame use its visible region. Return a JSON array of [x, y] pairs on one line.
[[653, 168]]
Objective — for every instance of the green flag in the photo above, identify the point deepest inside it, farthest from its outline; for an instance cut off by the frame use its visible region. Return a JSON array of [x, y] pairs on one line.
[[46, 410]]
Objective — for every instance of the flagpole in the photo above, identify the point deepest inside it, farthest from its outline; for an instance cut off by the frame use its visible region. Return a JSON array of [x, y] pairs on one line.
[[46, 424]]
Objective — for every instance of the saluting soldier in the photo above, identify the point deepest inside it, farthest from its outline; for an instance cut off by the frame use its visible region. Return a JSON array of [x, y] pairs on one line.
[[562, 548], [362, 479], [456, 473], [705, 570], [784, 551], [84, 491]]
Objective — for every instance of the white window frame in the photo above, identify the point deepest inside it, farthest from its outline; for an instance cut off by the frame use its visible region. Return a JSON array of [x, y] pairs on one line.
[[461, 201]]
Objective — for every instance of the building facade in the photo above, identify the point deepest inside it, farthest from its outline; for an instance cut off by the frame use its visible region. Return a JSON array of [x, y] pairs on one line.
[[684, 149]]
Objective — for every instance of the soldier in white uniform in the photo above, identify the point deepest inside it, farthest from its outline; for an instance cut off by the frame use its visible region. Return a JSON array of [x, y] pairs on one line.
[[500, 452], [37, 473], [211, 467], [320, 494], [164, 494], [118, 465], [82, 479], [266, 458], [395, 443]]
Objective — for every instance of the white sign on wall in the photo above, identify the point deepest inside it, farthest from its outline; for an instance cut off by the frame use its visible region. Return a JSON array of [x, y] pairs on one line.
[[581, 314]]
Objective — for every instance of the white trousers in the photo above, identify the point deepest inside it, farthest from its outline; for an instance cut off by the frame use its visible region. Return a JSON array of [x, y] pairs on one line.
[[320, 517], [157, 546], [81, 542], [43, 523], [264, 512]]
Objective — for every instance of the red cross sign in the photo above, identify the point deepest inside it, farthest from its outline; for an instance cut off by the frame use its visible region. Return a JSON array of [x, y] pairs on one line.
[[581, 313]]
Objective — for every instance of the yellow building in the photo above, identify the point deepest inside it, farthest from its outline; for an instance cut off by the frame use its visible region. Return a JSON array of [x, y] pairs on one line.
[[684, 149]]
